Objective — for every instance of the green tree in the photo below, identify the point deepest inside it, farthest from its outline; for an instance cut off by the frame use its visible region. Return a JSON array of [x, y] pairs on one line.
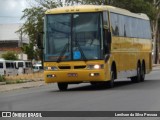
[[29, 50], [34, 15], [33, 25], [10, 56]]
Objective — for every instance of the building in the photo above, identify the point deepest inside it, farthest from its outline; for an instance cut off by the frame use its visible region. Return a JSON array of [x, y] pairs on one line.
[[10, 40]]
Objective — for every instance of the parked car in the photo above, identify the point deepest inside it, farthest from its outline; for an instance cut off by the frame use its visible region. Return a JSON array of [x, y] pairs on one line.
[[37, 68]]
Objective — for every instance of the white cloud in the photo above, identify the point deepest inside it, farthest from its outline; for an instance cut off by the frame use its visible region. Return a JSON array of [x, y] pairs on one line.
[[12, 4]]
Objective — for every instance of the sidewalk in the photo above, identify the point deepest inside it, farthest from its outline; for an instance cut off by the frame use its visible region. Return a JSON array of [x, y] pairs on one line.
[[9, 87], [156, 66]]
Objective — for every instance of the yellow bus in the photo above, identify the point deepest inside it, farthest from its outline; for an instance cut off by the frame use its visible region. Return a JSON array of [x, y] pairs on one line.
[[95, 44]]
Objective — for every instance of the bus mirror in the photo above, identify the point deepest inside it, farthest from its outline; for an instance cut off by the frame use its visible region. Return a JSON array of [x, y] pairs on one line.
[[109, 37], [39, 40], [105, 27], [107, 41]]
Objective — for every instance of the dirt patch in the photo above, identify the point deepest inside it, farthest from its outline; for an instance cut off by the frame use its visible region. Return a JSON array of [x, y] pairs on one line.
[[9, 87], [22, 81]]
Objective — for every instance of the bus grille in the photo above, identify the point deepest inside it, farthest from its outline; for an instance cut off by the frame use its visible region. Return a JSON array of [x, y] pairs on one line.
[[64, 67], [75, 67], [79, 67]]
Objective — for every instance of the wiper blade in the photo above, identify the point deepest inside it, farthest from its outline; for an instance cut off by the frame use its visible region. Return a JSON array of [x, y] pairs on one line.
[[62, 53], [84, 57]]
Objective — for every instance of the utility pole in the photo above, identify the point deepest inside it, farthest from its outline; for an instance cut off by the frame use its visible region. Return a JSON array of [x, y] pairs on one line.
[[158, 45], [21, 44]]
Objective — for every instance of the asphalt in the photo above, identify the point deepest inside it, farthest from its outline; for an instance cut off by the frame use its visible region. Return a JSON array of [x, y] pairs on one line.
[[125, 96]]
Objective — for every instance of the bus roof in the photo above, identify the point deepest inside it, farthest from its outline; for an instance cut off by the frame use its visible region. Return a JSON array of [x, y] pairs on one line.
[[95, 8], [22, 61], [2, 60]]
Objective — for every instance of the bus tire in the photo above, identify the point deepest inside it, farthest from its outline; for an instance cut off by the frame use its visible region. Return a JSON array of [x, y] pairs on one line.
[[110, 84], [62, 86], [143, 72], [137, 78]]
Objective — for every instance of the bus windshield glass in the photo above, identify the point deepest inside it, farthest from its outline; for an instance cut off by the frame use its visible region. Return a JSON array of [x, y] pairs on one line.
[[70, 37]]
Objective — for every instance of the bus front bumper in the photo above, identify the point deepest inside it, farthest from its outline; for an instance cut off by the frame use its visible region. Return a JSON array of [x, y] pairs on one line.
[[75, 76]]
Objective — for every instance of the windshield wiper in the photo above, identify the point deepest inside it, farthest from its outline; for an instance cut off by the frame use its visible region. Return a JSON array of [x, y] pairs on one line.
[[81, 51], [62, 53]]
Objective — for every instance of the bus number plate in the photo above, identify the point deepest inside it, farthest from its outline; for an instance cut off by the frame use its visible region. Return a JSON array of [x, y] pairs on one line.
[[72, 74]]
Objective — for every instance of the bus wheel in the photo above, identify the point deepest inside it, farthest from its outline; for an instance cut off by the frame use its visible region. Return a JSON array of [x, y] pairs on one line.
[[142, 73], [110, 84], [137, 78], [62, 86]]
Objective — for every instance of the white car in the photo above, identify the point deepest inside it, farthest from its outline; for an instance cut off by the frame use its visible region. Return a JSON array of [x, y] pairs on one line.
[[37, 67]]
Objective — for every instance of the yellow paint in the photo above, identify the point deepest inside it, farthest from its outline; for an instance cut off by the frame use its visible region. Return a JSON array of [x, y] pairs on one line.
[[83, 74], [125, 52]]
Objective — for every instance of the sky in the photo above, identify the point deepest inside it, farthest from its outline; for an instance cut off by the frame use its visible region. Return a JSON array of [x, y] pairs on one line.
[[11, 11]]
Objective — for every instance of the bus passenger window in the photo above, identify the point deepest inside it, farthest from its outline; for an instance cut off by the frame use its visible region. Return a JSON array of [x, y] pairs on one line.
[[12, 65], [8, 65], [1, 65], [114, 22]]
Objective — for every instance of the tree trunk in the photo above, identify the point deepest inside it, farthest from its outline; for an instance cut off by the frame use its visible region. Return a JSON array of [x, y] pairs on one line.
[[155, 36]]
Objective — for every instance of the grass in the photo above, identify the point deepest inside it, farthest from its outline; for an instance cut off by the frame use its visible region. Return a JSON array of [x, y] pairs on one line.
[[23, 78], [32, 76], [15, 81]]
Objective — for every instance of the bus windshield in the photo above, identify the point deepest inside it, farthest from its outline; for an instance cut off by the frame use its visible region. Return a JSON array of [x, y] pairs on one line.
[[73, 37]]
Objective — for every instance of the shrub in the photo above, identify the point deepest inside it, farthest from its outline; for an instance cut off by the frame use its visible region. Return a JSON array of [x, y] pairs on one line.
[[2, 78], [10, 56]]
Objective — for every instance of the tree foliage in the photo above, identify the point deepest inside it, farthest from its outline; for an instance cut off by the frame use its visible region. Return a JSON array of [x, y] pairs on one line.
[[34, 15], [34, 18], [10, 56], [29, 50]]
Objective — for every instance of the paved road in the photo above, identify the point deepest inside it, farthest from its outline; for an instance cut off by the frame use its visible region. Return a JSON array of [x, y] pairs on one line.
[[126, 96]]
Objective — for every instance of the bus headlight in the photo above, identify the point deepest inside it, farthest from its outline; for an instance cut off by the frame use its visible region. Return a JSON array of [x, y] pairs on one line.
[[96, 66], [54, 68]]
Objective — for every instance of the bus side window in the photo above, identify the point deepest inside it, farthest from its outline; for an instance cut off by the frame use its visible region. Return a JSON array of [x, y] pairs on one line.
[[1, 65], [8, 65], [12, 65], [20, 64]]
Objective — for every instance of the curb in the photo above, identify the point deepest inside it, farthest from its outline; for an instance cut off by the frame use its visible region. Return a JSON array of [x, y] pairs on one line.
[[2, 83], [27, 85], [156, 65]]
